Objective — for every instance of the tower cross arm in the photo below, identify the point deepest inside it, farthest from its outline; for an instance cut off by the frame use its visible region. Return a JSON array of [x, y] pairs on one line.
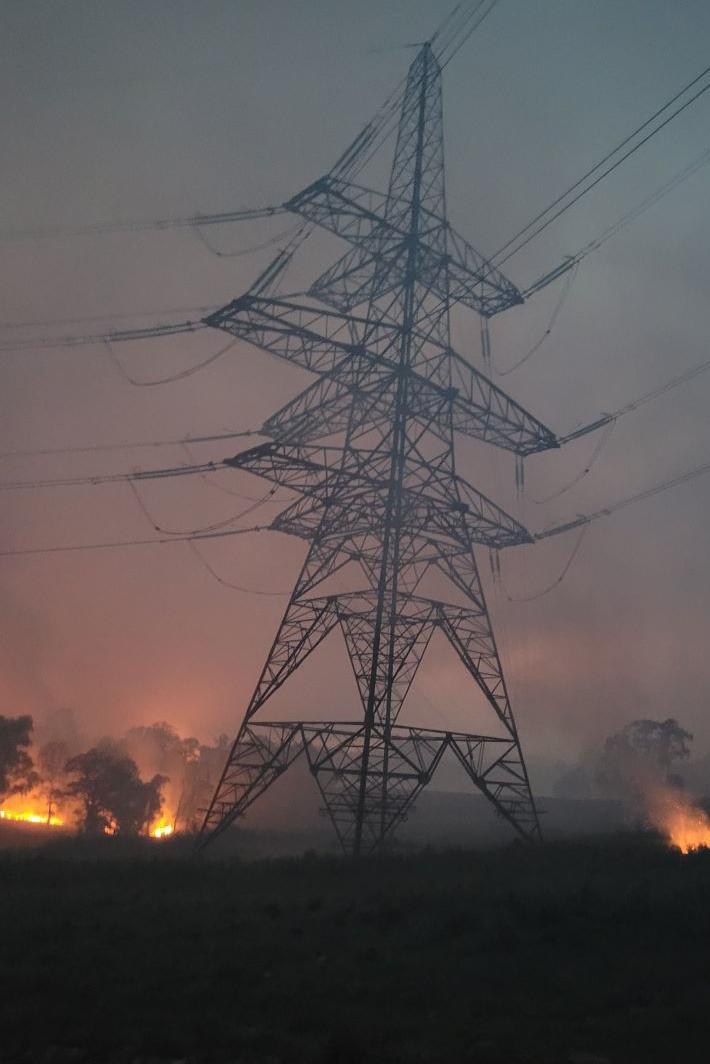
[[348, 347], [365, 219], [510, 425], [304, 334], [449, 507]]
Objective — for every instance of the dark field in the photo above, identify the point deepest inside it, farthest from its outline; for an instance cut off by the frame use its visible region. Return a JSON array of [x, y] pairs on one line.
[[574, 952]]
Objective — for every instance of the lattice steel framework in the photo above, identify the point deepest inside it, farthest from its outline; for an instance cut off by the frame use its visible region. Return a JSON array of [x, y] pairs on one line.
[[374, 329]]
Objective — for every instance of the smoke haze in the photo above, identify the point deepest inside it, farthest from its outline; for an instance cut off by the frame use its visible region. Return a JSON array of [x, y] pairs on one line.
[[146, 111]]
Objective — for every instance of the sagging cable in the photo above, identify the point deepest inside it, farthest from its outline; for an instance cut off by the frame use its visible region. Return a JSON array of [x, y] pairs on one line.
[[557, 581], [566, 289], [242, 252], [600, 445], [228, 583], [181, 376], [216, 526]]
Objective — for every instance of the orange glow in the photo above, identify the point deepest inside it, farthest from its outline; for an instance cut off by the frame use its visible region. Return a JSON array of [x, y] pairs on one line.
[[161, 829], [685, 825], [27, 817]]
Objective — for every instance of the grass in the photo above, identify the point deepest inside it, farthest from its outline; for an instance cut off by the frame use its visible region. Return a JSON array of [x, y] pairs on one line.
[[572, 952]]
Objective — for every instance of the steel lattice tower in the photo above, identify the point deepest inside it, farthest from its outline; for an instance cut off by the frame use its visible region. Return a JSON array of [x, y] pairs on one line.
[[386, 498]]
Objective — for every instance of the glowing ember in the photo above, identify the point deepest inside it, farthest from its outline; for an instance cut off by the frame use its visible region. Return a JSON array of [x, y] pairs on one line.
[[684, 824], [32, 818]]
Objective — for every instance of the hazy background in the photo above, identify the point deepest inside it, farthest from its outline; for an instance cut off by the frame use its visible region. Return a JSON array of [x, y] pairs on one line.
[[146, 110]]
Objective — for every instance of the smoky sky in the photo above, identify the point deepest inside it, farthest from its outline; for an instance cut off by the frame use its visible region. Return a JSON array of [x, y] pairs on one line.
[[167, 108]]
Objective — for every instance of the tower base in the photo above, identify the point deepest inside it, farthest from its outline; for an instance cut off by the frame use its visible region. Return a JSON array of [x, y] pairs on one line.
[[401, 762]]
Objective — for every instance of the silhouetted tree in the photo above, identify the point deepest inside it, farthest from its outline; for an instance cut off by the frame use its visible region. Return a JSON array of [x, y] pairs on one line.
[[642, 754], [159, 748], [17, 774], [111, 791]]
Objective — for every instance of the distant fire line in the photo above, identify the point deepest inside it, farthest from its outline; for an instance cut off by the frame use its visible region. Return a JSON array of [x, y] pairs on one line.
[[160, 830], [32, 818]]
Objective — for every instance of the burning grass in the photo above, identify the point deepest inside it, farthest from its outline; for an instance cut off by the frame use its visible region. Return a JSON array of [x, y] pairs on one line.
[[681, 822], [26, 817], [22, 811]]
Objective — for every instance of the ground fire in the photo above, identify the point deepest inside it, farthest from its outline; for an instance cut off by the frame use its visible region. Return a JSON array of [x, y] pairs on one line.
[[684, 824], [24, 811], [29, 817], [161, 829]]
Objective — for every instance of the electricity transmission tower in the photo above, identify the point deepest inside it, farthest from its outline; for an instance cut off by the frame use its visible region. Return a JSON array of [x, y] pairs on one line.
[[368, 448]]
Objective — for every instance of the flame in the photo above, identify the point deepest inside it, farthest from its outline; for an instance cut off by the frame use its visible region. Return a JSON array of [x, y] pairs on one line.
[[27, 817], [18, 812], [161, 829], [685, 825]]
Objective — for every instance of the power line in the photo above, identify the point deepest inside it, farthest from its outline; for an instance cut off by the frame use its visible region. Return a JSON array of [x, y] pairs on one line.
[[470, 31], [515, 243], [228, 583], [557, 581], [376, 132], [199, 221], [214, 527], [47, 323], [636, 404], [596, 454], [650, 201], [215, 485], [598, 423], [114, 478], [24, 551], [241, 252], [547, 533], [173, 377], [583, 521], [557, 310], [639, 496], [96, 447], [140, 225], [151, 332], [571, 261]]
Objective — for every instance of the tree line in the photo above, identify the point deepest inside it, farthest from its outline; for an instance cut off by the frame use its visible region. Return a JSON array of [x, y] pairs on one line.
[[117, 786]]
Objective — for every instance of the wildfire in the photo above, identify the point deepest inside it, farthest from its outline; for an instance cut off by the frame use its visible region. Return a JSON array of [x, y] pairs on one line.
[[684, 824], [161, 830], [17, 812], [32, 818]]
